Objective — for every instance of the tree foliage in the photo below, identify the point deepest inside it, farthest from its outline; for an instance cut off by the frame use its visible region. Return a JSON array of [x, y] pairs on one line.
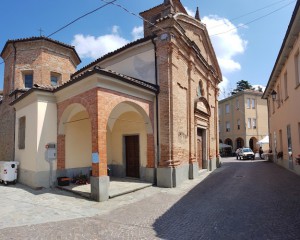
[[241, 86]]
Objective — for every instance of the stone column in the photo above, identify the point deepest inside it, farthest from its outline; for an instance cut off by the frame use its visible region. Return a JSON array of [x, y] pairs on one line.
[[99, 179]]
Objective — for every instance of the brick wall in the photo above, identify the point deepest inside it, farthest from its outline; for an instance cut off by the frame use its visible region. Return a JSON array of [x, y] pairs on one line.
[[99, 104], [40, 57]]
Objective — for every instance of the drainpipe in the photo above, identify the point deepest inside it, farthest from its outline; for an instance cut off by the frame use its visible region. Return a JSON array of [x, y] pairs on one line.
[[156, 99], [12, 89], [14, 67]]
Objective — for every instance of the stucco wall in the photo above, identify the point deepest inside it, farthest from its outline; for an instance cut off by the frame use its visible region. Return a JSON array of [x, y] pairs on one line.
[[78, 141], [40, 130], [46, 133], [285, 111], [138, 63], [129, 123], [27, 157]]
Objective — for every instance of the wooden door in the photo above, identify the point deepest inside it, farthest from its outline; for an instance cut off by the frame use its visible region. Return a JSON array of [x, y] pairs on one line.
[[132, 151], [200, 152]]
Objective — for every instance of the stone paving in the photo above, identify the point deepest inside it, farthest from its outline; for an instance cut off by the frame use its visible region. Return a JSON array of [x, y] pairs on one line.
[[240, 200]]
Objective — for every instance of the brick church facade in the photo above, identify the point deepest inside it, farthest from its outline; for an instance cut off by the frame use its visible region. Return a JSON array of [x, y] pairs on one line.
[[147, 110]]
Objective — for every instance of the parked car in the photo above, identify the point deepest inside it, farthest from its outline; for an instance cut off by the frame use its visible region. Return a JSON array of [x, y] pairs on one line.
[[246, 153]]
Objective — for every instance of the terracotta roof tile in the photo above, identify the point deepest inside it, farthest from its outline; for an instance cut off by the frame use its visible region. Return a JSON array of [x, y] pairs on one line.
[[40, 38]]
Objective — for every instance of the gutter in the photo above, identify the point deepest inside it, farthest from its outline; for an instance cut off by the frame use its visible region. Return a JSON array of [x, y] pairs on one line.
[[12, 89], [156, 100]]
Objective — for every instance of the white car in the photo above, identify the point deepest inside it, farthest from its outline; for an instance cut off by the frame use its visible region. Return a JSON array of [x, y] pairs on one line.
[[246, 153]]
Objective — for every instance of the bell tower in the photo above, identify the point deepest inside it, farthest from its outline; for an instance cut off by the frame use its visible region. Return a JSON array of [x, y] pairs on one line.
[[162, 11]]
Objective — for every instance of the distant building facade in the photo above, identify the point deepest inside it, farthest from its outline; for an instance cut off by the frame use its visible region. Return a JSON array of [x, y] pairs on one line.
[[147, 110], [283, 94], [243, 120]]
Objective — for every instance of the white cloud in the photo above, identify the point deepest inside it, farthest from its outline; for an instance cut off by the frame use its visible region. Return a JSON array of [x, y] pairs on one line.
[[224, 87], [138, 32], [95, 47], [228, 44], [190, 12], [256, 87]]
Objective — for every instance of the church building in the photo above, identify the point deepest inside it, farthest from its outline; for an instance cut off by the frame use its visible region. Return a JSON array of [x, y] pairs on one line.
[[148, 110]]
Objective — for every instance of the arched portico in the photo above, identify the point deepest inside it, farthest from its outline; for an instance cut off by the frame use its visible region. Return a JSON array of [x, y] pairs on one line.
[[74, 141], [130, 142], [228, 141], [240, 143], [253, 144]]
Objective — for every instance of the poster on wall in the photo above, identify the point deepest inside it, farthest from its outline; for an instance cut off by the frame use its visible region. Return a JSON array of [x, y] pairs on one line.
[[95, 157]]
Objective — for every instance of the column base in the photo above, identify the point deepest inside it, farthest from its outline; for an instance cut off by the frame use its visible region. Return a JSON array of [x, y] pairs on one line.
[[100, 188], [169, 177], [194, 170]]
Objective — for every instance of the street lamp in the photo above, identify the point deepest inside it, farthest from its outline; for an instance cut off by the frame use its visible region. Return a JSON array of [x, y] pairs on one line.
[[274, 95]]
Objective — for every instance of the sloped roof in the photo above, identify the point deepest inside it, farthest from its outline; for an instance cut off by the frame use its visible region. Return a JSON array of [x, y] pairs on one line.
[[30, 39], [95, 70], [286, 47], [110, 73]]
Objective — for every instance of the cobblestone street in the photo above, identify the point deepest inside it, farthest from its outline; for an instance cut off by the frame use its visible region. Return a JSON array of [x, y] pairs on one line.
[[240, 200]]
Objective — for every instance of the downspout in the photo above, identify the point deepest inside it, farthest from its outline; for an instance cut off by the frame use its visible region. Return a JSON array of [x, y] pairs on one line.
[[14, 67], [156, 106], [12, 89]]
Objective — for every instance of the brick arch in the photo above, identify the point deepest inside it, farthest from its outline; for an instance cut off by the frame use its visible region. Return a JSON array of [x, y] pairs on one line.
[[240, 142], [68, 112], [86, 101], [131, 106], [110, 99], [228, 141]]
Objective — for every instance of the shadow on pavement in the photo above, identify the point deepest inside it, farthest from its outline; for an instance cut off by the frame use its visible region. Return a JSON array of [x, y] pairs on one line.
[[240, 200]]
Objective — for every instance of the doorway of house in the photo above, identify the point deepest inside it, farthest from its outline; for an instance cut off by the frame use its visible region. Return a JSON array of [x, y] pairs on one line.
[[200, 149], [132, 156]]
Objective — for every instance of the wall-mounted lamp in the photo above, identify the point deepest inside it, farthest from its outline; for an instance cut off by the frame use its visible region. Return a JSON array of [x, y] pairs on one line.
[[274, 95]]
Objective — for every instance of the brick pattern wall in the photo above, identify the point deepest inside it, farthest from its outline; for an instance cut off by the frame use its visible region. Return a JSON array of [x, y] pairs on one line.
[[61, 143], [39, 57], [99, 104], [180, 72]]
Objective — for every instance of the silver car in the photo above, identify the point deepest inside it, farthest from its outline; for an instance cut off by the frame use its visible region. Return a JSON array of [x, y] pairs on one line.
[[246, 153]]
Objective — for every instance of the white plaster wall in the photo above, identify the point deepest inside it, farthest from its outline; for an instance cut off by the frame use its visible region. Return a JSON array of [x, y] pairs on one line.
[[27, 157], [78, 141], [135, 64], [46, 132], [130, 123]]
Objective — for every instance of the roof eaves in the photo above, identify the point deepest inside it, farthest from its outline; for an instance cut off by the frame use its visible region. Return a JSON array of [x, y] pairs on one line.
[[110, 73], [37, 39], [25, 94], [288, 32]]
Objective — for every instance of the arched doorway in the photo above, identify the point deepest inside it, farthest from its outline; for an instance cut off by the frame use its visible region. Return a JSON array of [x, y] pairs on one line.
[[228, 141], [228, 151], [201, 148], [129, 135], [253, 144], [239, 143], [75, 127]]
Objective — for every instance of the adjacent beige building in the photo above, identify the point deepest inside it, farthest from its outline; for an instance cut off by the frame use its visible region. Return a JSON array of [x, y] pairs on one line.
[[283, 94], [243, 120]]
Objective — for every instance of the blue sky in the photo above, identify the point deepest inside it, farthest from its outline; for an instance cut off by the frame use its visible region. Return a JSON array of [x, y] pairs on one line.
[[248, 52]]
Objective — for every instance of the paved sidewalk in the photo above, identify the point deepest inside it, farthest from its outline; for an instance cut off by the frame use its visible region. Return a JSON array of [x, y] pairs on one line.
[[117, 187], [241, 200], [21, 205]]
